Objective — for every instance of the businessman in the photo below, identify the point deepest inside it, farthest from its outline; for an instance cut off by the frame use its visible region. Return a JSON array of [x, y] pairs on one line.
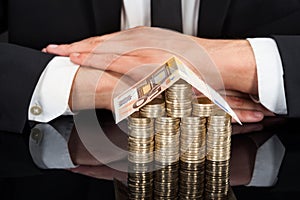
[[36, 85]]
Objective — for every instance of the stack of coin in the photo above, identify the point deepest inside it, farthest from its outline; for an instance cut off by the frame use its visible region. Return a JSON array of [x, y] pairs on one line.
[[155, 108], [202, 107], [179, 99], [167, 133], [191, 180], [218, 154], [193, 139], [141, 139], [166, 181], [140, 181]]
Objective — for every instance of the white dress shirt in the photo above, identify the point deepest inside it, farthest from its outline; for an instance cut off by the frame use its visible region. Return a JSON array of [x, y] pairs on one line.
[[51, 95]]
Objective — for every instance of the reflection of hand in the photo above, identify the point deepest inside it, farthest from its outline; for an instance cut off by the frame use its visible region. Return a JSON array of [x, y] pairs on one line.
[[244, 150], [101, 172], [242, 160], [256, 158], [267, 123], [246, 128], [78, 152], [88, 165], [81, 154], [89, 161]]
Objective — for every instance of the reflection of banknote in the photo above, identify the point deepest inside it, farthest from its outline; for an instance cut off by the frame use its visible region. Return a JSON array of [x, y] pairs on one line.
[[158, 81]]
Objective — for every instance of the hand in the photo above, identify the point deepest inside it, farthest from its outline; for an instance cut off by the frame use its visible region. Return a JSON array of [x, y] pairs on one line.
[[246, 109], [233, 58], [93, 88], [120, 52], [236, 63]]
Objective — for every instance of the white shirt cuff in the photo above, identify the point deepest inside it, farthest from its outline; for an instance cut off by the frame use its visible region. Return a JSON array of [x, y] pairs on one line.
[[51, 95], [49, 148], [269, 74]]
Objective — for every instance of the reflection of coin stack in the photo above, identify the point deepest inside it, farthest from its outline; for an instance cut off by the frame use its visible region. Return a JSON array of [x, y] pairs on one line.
[[140, 181], [154, 109], [166, 181], [191, 184], [218, 155], [192, 157], [140, 147], [178, 99], [167, 132]]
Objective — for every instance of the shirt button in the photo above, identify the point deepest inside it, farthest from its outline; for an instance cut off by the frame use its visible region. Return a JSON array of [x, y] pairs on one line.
[[36, 135], [36, 110]]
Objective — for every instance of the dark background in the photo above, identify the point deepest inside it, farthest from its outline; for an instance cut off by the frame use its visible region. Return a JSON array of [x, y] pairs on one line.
[[3, 37]]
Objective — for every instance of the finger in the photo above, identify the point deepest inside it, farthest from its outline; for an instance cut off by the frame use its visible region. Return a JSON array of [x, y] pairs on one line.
[[123, 64], [233, 93], [105, 62], [83, 46], [61, 50], [81, 59], [249, 116], [237, 103]]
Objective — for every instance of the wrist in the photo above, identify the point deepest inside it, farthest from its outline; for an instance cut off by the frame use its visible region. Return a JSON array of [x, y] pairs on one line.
[[235, 61], [93, 89], [87, 92]]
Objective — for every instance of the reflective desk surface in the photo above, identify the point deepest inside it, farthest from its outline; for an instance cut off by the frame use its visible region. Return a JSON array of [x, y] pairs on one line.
[[264, 162]]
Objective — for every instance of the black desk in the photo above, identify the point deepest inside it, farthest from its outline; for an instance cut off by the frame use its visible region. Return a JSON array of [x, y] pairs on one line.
[[20, 178]]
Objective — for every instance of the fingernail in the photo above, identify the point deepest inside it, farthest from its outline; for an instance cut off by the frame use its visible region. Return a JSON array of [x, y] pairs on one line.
[[259, 115], [75, 54], [52, 46]]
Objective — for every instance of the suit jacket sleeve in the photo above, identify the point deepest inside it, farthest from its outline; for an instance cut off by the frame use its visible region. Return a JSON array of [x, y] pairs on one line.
[[20, 69], [3, 16], [289, 47], [15, 157]]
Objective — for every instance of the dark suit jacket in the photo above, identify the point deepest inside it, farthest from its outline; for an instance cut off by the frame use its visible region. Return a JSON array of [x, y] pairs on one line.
[[33, 24]]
